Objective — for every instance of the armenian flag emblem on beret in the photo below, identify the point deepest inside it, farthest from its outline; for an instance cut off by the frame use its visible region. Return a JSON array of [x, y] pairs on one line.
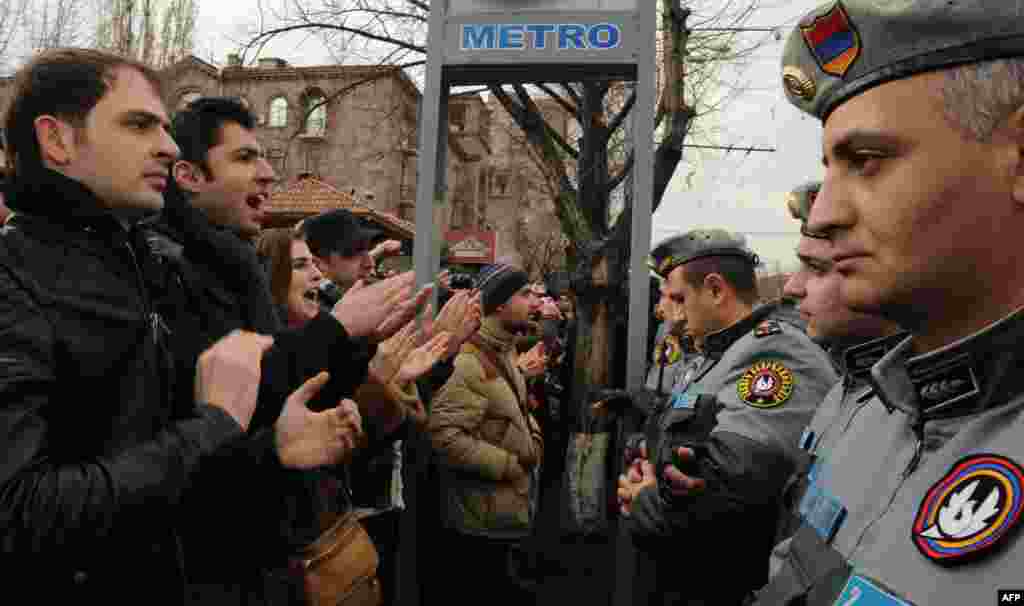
[[832, 40]]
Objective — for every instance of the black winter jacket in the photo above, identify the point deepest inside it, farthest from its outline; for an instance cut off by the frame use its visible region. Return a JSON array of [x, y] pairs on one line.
[[98, 458], [239, 555]]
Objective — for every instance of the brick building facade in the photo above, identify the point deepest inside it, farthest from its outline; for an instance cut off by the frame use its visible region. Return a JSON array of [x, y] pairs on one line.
[[363, 141]]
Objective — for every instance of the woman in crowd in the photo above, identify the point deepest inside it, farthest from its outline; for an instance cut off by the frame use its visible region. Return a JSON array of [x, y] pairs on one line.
[[293, 276]]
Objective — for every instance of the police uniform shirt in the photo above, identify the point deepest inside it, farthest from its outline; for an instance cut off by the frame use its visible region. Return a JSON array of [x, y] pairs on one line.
[[920, 499], [927, 481], [847, 396], [770, 378], [841, 405], [669, 362]]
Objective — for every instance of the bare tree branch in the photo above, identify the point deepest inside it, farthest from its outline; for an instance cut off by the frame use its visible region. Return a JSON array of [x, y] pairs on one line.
[[570, 108], [621, 116], [627, 168]]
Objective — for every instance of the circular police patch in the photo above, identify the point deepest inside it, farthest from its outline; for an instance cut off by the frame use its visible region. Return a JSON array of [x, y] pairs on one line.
[[766, 384], [970, 510]]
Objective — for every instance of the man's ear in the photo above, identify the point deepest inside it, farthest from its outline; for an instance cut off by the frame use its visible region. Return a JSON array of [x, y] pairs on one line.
[[56, 140], [715, 285], [189, 177], [1016, 126]]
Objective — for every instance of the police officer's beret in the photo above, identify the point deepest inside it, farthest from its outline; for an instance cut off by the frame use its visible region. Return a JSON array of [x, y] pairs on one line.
[[845, 47], [800, 200], [677, 250]]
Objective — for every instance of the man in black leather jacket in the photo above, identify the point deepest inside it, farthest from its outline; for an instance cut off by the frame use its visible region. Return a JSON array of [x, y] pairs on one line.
[[97, 457], [95, 489], [214, 206]]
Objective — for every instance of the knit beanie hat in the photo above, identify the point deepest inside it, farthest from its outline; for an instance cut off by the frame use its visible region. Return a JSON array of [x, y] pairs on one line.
[[498, 283]]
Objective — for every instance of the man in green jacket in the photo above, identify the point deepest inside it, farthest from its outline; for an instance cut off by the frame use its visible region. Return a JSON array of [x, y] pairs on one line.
[[487, 444]]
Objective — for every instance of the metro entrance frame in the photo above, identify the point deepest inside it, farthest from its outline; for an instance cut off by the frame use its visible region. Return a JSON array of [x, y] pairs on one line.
[[614, 44]]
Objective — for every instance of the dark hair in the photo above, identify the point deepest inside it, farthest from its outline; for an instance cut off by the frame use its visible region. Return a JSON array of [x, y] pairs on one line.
[[337, 231], [737, 271], [66, 83], [198, 127], [275, 247]]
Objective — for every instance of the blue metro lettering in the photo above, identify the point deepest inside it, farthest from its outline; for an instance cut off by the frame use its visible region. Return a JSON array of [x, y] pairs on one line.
[[611, 36], [540, 32], [571, 33], [513, 36], [476, 37]]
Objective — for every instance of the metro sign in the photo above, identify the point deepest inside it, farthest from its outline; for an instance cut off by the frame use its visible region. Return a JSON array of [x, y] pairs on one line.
[[540, 36]]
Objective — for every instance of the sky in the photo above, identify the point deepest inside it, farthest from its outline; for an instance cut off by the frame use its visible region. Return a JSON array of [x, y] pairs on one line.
[[741, 191]]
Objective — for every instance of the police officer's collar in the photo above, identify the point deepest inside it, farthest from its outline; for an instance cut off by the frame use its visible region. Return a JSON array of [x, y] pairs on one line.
[[858, 357], [978, 372], [717, 342]]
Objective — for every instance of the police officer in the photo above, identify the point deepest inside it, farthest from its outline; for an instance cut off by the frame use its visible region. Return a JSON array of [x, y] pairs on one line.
[[854, 340], [923, 199], [733, 421], [670, 348]]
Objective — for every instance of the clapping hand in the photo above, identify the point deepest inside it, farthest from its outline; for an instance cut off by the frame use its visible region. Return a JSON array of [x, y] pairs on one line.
[[307, 439], [380, 310], [391, 353], [423, 358], [533, 362], [460, 317]]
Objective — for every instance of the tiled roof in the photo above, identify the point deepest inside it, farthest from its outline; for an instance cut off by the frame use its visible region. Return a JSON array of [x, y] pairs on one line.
[[309, 196]]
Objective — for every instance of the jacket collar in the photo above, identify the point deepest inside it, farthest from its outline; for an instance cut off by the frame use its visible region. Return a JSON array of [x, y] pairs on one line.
[[60, 199], [973, 374], [717, 342], [857, 357], [495, 336]]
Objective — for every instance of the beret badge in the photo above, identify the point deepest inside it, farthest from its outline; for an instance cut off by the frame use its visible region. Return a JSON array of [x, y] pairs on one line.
[[798, 83]]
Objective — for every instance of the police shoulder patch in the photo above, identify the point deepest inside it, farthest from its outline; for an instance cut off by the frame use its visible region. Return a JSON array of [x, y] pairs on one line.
[[766, 384], [970, 510], [767, 328]]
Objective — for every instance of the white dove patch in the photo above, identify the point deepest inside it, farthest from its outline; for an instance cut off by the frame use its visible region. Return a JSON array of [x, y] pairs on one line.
[[970, 510]]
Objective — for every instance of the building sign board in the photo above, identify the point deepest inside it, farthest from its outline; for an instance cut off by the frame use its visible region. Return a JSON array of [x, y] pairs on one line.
[[471, 246], [531, 38]]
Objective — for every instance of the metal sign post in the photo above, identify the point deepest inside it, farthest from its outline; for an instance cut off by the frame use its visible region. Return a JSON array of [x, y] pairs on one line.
[[523, 41], [643, 199]]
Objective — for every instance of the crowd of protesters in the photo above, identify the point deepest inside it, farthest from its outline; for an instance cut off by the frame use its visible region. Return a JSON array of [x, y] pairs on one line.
[[190, 403]]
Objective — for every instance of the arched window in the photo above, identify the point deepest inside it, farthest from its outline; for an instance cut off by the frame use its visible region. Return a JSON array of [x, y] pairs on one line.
[[316, 110], [278, 112], [187, 98]]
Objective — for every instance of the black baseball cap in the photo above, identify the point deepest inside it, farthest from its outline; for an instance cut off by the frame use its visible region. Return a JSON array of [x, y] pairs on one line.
[[338, 231]]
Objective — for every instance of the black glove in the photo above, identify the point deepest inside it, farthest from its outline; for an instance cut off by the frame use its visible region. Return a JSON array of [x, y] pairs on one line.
[[610, 395], [642, 399]]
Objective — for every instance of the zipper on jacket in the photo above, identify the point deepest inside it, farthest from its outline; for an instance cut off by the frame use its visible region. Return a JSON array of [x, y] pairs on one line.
[[915, 460], [847, 382], [156, 324]]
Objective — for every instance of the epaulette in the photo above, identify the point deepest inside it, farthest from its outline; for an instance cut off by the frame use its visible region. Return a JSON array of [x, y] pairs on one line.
[[767, 328]]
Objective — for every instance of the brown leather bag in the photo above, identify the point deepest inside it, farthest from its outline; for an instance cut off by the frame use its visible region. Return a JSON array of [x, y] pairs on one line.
[[340, 567]]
